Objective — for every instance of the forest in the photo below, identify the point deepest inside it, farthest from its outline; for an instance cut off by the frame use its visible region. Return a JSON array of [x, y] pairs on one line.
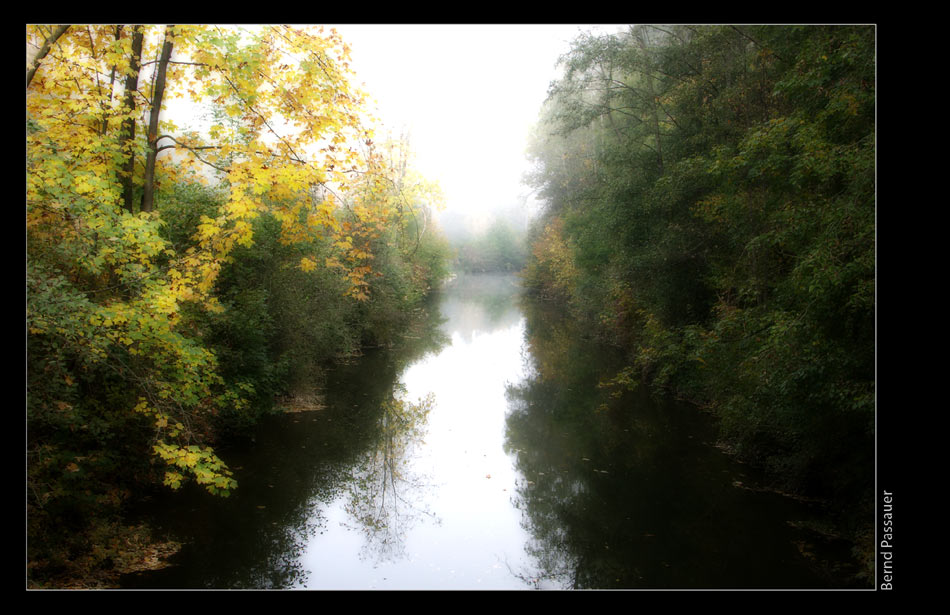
[[214, 218], [710, 207]]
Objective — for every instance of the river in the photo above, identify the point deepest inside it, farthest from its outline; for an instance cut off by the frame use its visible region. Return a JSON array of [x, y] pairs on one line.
[[483, 454]]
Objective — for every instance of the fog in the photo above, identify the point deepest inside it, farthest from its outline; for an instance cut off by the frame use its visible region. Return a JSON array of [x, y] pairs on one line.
[[468, 97]]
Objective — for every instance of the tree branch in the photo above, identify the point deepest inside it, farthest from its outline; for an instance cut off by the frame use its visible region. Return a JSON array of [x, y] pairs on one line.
[[47, 45], [191, 148], [758, 44]]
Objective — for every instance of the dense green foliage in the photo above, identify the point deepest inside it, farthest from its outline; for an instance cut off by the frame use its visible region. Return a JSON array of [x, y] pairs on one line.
[[711, 207], [281, 325]]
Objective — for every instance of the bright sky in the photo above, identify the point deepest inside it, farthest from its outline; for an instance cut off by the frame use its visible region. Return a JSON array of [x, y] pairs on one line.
[[469, 95]]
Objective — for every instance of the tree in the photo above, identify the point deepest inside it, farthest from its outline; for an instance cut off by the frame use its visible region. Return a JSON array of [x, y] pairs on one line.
[[158, 94], [106, 291], [44, 49], [710, 203], [144, 333], [128, 124]]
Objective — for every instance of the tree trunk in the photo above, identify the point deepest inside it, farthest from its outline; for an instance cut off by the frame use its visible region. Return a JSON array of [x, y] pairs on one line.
[[148, 196], [105, 120], [47, 45], [128, 126], [654, 103]]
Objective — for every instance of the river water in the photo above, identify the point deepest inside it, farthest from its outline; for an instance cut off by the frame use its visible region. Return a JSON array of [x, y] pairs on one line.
[[483, 454]]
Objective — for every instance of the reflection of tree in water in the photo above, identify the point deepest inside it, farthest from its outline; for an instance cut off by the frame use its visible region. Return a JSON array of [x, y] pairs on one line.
[[384, 493], [549, 434], [292, 468], [282, 545], [628, 492], [556, 564], [481, 302]]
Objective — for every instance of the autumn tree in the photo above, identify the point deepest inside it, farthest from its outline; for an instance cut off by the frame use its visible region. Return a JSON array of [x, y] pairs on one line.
[[154, 112], [128, 124], [116, 348], [49, 40]]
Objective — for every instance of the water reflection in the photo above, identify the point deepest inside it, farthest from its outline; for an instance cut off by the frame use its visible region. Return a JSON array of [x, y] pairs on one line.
[[291, 475], [473, 304], [384, 493], [451, 524], [629, 492], [482, 454]]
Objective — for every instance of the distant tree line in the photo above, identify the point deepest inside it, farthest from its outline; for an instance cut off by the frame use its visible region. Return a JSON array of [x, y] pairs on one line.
[[499, 248]]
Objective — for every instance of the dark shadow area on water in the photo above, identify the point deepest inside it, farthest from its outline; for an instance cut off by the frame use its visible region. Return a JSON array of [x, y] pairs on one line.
[[621, 490]]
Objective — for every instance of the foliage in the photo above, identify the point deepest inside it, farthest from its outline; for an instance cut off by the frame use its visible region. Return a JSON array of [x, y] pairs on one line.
[[500, 247], [710, 205], [280, 222]]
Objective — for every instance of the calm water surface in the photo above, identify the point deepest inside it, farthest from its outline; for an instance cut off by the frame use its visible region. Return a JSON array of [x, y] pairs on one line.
[[483, 454]]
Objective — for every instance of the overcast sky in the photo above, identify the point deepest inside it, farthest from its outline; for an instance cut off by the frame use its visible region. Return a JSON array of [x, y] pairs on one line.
[[468, 94]]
